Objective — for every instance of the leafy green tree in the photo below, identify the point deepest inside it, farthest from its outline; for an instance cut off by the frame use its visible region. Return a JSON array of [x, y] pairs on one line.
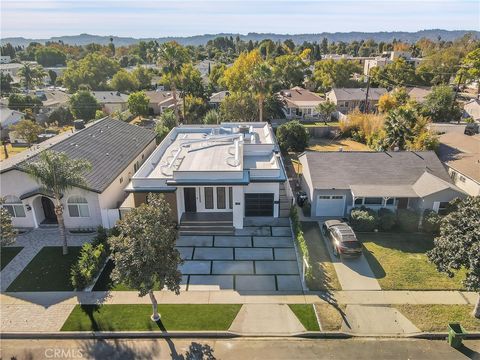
[[148, 234], [470, 69], [212, 117], [7, 231], [161, 131], [261, 84], [239, 106], [57, 173], [61, 116], [31, 75], [5, 83], [326, 109], [171, 57], [99, 114], [168, 119], [194, 109], [237, 77], [27, 130], [399, 128], [398, 73], [138, 103], [440, 105], [143, 76], [83, 105], [292, 136], [216, 75], [24, 102], [49, 56], [191, 81], [289, 70], [93, 71], [458, 245], [329, 73], [124, 81], [273, 106], [53, 76]]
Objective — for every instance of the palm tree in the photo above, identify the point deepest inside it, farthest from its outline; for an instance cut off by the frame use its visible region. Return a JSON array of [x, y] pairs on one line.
[[56, 172], [31, 75], [171, 57], [326, 109], [399, 127], [261, 84]]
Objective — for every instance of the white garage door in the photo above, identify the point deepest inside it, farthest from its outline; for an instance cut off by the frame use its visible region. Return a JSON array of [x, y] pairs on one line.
[[330, 205]]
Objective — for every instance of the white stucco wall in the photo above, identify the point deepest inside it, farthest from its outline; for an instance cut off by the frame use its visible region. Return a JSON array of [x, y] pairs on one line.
[[468, 185]]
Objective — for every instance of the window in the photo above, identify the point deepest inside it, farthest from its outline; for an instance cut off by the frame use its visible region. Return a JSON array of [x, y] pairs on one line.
[[390, 201], [442, 209], [221, 198], [230, 197], [337, 197], [323, 197], [462, 179], [121, 180], [373, 201], [208, 198], [78, 206], [14, 206], [135, 167], [359, 201]]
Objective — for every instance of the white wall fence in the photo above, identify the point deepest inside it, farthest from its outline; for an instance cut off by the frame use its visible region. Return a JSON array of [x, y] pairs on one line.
[[110, 217]]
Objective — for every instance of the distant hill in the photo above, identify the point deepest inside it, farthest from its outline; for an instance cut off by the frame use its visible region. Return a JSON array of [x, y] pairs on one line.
[[387, 36]]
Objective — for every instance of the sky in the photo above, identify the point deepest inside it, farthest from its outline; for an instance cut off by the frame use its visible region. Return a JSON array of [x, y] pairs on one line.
[[138, 18]]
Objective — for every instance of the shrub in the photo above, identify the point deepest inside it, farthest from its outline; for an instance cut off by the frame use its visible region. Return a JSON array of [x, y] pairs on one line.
[[307, 209], [299, 239], [386, 219], [363, 219], [88, 264], [407, 220], [431, 222], [292, 136]]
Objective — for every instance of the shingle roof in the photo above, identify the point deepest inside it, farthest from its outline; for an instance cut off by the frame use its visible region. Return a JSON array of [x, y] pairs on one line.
[[109, 145], [385, 170], [462, 153], [349, 94], [158, 97], [218, 97], [110, 97]]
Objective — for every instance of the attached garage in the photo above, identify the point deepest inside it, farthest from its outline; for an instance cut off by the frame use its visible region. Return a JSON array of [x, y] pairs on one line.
[[259, 204], [330, 205]]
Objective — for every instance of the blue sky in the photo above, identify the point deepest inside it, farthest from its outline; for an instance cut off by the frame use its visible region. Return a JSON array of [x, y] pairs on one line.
[[137, 18]]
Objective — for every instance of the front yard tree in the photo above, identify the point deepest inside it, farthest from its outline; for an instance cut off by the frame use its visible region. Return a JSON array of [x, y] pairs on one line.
[[292, 136], [326, 109], [7, 231], [57, 173], [144, 253], [458, 245], [83, 105], [440, 105], [138, 103], [27, 130]]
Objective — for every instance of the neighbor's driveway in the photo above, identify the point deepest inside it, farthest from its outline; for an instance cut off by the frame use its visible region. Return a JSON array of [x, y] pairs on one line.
[[353, 273]]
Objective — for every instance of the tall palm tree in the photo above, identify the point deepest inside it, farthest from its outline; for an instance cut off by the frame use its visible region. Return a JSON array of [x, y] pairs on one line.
[[31, 75], [171, 57], [326, 109], [261, 84], [56, 172]]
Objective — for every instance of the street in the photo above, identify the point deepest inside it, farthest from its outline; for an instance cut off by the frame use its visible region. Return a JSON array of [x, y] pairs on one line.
[[241, 348]]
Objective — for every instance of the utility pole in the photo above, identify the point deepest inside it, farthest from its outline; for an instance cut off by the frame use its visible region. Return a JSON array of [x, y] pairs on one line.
[[368, 89]]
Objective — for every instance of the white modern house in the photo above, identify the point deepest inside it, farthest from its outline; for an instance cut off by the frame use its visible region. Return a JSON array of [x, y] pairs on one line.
[[215, 173], [115, 150], [336, 182]]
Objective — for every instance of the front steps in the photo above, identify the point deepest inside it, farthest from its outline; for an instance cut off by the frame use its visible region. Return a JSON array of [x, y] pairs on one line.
[[206, 224]]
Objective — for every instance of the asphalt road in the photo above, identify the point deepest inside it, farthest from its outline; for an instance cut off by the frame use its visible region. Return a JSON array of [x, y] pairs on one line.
[[241, 348]]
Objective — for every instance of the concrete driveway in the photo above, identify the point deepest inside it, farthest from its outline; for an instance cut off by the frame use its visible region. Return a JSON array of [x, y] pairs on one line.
[[353, 273], [256, 258]]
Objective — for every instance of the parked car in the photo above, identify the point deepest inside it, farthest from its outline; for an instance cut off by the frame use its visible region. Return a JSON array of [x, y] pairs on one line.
[[344, 241], [471, 129]]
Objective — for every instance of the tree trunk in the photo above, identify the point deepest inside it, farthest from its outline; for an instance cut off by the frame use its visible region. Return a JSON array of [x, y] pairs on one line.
[[476, 310], [175, 108], [155, 315], [61, 225], [260, 107]]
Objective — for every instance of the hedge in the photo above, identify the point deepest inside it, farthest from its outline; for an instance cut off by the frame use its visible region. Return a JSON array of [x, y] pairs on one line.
[[386, 219], [407, 220], [431, 222], [363, 219], [299, 239], [88, 265]]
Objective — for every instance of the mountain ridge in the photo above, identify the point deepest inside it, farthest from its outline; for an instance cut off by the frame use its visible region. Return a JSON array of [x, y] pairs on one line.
[[386, 36]]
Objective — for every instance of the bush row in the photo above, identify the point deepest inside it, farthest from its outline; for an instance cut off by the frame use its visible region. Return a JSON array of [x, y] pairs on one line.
[[299, 239]]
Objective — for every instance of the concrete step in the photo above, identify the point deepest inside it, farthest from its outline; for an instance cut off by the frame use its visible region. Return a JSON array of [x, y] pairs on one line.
[[206, 231], [206, 223]]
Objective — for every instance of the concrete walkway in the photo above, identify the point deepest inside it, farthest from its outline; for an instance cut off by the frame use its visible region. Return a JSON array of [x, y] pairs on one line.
[[352, 273], [263, 319], [32, 242]]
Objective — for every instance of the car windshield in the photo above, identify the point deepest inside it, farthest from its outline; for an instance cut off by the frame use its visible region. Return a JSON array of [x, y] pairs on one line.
[[351, 244]]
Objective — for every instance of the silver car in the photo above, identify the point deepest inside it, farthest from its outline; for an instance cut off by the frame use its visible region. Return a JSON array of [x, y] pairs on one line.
[[342, 237]]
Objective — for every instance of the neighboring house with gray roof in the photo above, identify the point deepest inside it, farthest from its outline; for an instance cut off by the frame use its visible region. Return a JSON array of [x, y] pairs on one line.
[[460, 153], [472, 109], [8, 117], [419, 94], [349, 99], [299, 103], [161, 100], [217, 98], [336, 182], [115, 149], [111, 101]]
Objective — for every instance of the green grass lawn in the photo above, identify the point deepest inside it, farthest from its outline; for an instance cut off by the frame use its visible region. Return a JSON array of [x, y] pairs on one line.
[[324, 276], [7, 254], [48, 271], [137, 317], [399, 262], [306, 314], [437, 317]]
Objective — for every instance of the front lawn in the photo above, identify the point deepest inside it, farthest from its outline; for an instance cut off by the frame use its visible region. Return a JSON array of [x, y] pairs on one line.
[[137, 317], [324, 144], [48, 271], [306, 315], [437, 317], [7, 254], [323, 276], [399, 262]]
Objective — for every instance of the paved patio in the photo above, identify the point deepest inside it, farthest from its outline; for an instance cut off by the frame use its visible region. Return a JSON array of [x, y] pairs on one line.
[[256, 258]]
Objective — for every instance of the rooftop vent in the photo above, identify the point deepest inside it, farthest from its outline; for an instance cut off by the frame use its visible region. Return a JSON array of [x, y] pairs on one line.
[[243, 129]]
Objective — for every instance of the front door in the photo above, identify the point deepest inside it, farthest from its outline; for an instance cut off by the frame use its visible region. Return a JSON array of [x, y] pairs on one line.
[[49, 211], [190, 197]]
